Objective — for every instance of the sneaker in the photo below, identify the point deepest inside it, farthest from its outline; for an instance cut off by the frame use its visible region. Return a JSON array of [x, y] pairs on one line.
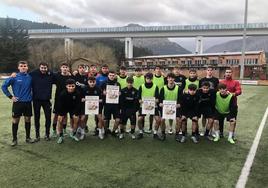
[[37, 139], [149, 131], [163, 137], [101, 136], [202, 134], [65, 132], [140, 136], [133, 136], [121, 136], [82, 137], [216, 139], [194, 139], [156, 137], [170, 131], [221, 135], [231, 141], [54, 133], [29, 140], [47, 138], [75, 138], [14, 143], [177, 137], [209, 138], [60, 140], [183, 139]]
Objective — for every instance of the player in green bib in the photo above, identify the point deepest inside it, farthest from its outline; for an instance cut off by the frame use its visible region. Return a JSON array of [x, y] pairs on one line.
[[138, 79], [225, 108], [148, 89], [193, 79], [122, 77], [170, 92]]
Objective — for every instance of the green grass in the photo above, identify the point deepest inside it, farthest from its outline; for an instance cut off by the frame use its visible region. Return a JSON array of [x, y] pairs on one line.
[[138, 163]]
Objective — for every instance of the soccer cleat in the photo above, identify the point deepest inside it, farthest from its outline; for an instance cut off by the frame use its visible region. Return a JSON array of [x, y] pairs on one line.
[[14, 143], [221, 135], [65, 132], [74, 138], [47, 138], [54, 133], [29, 140], [170, 131], [156, 137], [113, 133], [140, 136], [216, 139], [183, 139], [177, 137], [202, 134], [121, 136], [101, 136], [37, 139], [133, 136], [149, 131], [231, 141], [194, 139], [82, 137], [209, 138], [163, 137], [60, 140]]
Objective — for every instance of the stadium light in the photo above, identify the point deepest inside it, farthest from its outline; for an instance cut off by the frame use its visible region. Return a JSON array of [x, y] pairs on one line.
[[242, 64]]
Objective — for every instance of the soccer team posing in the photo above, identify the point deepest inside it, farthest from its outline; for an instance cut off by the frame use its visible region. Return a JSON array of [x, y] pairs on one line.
[[207, 98]]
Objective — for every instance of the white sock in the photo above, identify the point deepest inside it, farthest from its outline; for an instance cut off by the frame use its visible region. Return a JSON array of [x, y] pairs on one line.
[[82, 131], [141, 131], [217, 133], [231, 135], [155, 131]]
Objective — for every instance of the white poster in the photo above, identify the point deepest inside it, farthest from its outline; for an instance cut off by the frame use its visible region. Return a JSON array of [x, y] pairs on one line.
[[169, 109], [148, 105], [112, 94], [92, 105]]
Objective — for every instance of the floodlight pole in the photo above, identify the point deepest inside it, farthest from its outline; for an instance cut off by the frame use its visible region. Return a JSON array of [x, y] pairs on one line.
[[242, 64]]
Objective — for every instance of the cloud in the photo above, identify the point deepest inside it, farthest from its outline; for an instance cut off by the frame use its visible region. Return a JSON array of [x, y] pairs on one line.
[[104, 13]]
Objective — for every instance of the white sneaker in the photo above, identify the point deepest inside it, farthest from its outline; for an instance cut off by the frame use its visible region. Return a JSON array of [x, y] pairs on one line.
[[202, 134], [170, 131], [121, 136], [133, 136]]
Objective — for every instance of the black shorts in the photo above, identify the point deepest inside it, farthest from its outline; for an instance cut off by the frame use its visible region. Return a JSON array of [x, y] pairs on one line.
[[156, 112], [111, 109], [71, 112], [189, 114], [128, 114], [206, 112], [219, 116], [56, 107], [178, 112], [21, 109]]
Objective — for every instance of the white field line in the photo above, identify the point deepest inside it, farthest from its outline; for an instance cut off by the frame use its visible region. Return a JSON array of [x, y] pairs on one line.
[[241, 183]]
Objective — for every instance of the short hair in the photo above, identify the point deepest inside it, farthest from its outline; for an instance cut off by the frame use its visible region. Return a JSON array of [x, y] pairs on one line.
[[176, 67], [228, 68], [192, 70], [171, 75], [81, 65], [222, 86], [70, 82], [112, 72], [92, 65], [209, 67], [104, 66], [207, 84], [22, 62], [91, 78], [137, 69], [157, 66], [149, 75], [43, 64], [192, 87], [130, 80], [64, 64], [123, 68]]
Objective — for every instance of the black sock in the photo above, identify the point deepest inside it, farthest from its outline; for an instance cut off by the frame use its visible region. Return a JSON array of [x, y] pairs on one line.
[[64, 126], [54, 125], [15, 127], [207, 132], [193, 133], [132, 131], [27, 129], [183, 133], [163, 132], [122, 131]]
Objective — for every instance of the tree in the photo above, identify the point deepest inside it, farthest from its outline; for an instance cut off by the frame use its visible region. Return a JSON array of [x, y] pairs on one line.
[[13, 45]]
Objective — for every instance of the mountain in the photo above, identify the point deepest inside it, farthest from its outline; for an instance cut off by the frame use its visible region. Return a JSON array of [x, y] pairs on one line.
[[159, 46], [252, 44]]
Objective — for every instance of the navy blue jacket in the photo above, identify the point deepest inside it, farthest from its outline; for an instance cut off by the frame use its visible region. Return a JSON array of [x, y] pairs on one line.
[[42, 84], [21, 87]]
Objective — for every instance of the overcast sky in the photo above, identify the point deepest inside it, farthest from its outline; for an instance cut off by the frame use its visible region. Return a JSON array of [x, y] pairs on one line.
[[108, 13]]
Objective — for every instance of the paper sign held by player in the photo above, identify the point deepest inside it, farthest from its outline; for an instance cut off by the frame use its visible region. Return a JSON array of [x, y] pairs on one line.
[[92, 105], [148, 105], [112, 94], [169, 109]]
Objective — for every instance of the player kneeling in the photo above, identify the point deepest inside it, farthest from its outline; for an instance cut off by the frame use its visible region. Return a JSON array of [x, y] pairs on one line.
[[189, 108], [225, 108], [129, 106], [70, 102]]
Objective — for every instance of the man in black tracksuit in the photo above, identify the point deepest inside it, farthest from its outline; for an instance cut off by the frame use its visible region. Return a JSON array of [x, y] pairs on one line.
[[42, 81]]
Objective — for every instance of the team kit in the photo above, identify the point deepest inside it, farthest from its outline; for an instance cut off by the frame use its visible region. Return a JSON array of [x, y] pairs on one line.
[[102, 96]]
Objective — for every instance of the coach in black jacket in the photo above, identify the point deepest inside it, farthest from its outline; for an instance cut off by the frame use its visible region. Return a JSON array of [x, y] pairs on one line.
[[42, 81]]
